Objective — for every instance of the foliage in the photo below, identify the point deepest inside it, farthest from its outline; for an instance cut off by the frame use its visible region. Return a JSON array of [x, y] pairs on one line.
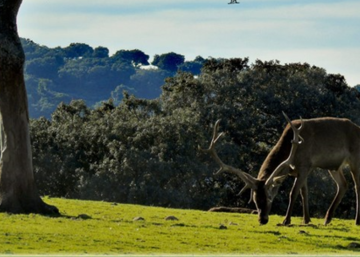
[[170, 61], [78, 50], [103, 228], [136, 56], [194, 66], [146, 151], [80, 72], [146, 82]]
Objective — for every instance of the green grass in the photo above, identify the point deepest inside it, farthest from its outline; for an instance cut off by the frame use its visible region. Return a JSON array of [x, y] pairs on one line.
[[110, 229]]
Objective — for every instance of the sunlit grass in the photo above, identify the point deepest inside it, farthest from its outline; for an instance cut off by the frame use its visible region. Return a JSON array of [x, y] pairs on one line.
[[109, 228]]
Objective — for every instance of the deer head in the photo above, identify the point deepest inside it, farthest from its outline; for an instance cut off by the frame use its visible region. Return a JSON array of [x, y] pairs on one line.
[[262, 191]]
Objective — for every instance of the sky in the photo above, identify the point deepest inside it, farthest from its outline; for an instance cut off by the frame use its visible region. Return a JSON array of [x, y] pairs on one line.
[[324, 33]]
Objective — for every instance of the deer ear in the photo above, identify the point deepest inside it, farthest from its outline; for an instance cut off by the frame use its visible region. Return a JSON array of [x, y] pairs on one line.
[[278, 180]]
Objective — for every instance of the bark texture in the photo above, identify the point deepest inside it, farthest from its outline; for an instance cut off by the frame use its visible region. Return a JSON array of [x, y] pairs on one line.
[[18, 193]]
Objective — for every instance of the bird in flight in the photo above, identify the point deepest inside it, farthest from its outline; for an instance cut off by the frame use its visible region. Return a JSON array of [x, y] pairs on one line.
[[233, 2]]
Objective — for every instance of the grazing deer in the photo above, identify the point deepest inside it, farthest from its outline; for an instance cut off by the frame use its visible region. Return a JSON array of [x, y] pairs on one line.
[[329, 143]]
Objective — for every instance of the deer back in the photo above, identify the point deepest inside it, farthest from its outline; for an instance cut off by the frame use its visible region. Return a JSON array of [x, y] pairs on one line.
[[329, 143]]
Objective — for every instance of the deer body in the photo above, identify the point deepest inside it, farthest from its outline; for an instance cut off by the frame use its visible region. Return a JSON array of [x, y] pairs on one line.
[[327, 143], [330, 143]]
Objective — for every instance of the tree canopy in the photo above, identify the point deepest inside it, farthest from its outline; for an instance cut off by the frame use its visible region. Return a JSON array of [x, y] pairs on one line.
[[78, 71], [170, 61], [146, 151]]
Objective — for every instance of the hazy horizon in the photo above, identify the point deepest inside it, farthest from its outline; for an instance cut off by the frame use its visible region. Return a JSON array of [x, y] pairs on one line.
[[321, 33]]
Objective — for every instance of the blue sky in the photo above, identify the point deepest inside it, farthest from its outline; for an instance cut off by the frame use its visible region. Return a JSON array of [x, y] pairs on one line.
[[319, 32]]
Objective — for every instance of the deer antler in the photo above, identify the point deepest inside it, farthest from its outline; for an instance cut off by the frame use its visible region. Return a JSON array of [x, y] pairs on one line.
[[247, 178], [296, 141], [211, 150]]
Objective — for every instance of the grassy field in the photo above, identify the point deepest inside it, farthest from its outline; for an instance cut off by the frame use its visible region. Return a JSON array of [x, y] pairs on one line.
[[89, 227]]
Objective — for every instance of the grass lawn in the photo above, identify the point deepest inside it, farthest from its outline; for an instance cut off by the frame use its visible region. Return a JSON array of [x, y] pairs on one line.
[[101, 228]]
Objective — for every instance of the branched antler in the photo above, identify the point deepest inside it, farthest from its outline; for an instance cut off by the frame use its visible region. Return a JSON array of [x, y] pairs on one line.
[[247, 178], [212, 151]]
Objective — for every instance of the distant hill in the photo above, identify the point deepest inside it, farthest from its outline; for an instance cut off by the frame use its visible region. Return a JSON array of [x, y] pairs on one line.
[[78, 71]]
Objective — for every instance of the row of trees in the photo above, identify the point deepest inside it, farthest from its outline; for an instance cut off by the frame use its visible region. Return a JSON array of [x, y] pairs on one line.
[[146, 151], [78, 71]]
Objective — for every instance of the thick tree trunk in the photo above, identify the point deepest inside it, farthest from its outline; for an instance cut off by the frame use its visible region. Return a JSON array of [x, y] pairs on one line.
[[18, 193]]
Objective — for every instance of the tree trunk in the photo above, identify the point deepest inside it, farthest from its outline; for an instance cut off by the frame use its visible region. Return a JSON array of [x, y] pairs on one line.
[[18, 192]]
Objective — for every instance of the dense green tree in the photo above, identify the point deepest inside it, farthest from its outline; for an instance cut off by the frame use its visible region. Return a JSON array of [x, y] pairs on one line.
[[45, 67], [101, 52], [33, 50], [135, 57], [76, 50], [78, 71], [93, 79], [193, 66], [170, 61], [146, 151], [148, 82]]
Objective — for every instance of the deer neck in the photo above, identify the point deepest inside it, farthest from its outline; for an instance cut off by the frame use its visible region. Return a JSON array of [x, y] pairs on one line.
[[277, 155]]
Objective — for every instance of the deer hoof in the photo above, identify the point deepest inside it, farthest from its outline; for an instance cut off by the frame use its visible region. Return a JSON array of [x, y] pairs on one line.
[[305, 222], [327, 221], [286, 222]]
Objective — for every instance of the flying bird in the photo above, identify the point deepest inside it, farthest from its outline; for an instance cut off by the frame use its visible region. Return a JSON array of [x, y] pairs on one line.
[[233, 2]]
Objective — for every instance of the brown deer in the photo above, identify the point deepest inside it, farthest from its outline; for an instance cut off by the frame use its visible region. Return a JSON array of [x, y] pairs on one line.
[[330, 143]]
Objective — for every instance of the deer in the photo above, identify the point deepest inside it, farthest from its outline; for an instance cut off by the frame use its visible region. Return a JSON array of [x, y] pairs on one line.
[[327, 143]]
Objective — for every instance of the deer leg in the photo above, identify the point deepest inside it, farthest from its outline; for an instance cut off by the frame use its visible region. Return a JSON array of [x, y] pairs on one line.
[[305, 202], [298, 184], [356, 177], [341, 184]]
